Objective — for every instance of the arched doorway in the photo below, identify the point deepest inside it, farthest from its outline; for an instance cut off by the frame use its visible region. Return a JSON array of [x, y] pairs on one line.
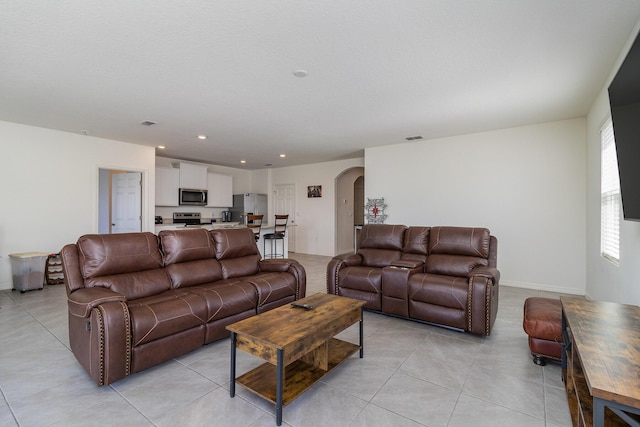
[[349, 207]]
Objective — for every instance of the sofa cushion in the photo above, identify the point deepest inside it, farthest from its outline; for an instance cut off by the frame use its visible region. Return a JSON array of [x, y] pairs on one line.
[[439, 299], [453, 265], [186, 245], [380, 244], [363, 283], [135, 285], [440, 290], [193, 273], [272, 288], [237, 252], [416, 243], [378, 258], [382, 236], [225, 298], [233, 243], [455, 251], [459, 241], [166, 314], [240, 267], [106, 254]]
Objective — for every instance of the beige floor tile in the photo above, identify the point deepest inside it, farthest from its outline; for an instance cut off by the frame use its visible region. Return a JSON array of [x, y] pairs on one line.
[[506, 390], [470, 411], [373, 415]]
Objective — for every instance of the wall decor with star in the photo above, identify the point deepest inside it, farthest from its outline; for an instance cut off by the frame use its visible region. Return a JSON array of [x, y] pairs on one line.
[[375, 211]]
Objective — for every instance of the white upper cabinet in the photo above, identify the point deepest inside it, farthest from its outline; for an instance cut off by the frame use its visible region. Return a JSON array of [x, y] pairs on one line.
[[167, 185], [193, 176], [220, 190]]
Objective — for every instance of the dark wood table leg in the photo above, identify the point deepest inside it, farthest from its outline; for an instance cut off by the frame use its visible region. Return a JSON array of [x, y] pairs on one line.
[[279, 386], [232, 386], [361, 334]]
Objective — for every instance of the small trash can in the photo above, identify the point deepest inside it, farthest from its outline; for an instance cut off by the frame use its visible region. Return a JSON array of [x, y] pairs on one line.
[[28, 270]]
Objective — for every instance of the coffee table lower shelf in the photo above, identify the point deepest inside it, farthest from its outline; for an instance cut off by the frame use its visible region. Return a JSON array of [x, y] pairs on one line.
[[298, 376]]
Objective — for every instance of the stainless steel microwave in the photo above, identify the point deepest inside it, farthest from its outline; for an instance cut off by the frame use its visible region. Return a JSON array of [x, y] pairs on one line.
[[193, 197]]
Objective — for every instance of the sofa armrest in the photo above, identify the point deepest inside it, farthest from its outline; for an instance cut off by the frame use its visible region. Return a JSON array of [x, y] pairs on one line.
[[490, 273], [335, 265], [82, 301], [290, 266], [349, 259], [408, 264], [483, 301], [275, 265]]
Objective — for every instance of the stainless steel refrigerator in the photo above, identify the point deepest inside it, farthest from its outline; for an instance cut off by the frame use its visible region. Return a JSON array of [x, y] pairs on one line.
[[249, 203]]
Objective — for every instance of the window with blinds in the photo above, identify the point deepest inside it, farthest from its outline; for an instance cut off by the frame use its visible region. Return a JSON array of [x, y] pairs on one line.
[[609, 196]]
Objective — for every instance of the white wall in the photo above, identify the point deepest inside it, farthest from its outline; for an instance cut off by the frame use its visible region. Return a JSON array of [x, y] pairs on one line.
[[315, 217], [606, 281], [49, 187], [526, 184]]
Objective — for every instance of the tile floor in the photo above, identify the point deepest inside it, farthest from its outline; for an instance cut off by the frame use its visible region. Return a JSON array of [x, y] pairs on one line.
[[411, 375]]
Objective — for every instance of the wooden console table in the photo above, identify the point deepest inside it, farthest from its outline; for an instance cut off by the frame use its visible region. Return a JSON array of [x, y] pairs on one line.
[[601, 362]]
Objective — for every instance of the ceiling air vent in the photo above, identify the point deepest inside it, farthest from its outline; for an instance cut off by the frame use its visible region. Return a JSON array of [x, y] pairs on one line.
[[148, 123]]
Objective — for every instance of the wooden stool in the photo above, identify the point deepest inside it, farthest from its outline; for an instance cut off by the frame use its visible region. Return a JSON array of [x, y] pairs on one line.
[[543, 323]]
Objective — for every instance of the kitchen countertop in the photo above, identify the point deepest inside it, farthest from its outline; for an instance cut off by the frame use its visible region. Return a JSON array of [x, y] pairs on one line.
[[212, 226]]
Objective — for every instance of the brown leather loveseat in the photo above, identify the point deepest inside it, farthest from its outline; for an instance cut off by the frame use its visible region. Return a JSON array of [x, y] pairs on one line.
[[441, 275], [137, 299]]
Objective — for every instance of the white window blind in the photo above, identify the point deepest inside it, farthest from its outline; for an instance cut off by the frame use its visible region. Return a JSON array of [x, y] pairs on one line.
[[610, 196]]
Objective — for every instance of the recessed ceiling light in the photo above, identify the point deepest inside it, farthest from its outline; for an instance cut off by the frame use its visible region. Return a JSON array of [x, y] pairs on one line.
[[161, 147], [268, 164], [413, 138], [148, 123], [243, 161], [202, 137], [283, 155], [301, 73]]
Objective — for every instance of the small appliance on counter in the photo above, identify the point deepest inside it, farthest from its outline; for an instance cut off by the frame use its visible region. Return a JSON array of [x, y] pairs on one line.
[[158, 219], [226, 216]]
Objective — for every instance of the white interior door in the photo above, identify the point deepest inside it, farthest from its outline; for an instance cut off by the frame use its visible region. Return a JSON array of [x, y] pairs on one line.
[[285, 204], [126, 207]]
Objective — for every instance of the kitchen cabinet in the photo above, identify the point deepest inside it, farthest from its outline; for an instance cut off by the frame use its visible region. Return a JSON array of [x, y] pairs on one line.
[[167, 185], [220, 190], [193, 176]]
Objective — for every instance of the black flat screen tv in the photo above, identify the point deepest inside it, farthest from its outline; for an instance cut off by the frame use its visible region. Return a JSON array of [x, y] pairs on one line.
[[624, 99]]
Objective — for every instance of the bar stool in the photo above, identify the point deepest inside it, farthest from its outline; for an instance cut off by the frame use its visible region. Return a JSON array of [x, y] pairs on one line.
[[279, 230], [254, 222]]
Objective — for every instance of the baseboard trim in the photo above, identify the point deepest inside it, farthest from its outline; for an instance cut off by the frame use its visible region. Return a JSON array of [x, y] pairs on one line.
[[542, 287]]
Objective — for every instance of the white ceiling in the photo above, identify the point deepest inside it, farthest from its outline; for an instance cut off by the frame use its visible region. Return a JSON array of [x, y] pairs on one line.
[[378, 70]]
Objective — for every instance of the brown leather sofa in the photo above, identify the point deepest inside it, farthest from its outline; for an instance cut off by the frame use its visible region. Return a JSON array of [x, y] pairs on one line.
[[136, 300], [441, 275]]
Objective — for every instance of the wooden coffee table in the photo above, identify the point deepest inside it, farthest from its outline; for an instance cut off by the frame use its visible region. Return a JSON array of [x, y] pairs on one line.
[[297, 344]]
